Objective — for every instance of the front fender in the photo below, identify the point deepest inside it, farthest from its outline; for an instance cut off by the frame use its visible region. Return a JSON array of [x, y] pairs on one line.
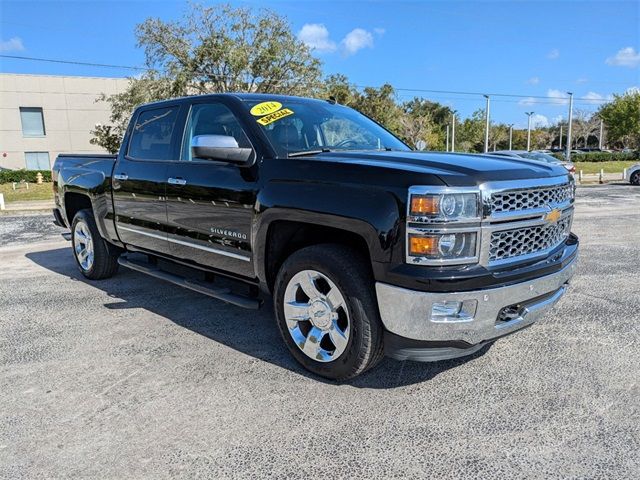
[[373, 213]]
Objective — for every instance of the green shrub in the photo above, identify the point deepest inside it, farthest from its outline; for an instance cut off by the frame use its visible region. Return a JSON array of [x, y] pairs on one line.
[[602, 156], [10, 176]]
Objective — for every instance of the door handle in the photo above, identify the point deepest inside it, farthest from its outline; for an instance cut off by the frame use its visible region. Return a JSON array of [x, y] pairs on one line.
[[177, 181], [120, 176]]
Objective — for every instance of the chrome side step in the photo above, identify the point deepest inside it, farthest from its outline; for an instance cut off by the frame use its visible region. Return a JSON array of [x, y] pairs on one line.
[[224, 294]]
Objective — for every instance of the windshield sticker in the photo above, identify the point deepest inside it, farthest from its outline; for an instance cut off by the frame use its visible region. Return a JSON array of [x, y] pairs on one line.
[[265, 108], [272, 117]]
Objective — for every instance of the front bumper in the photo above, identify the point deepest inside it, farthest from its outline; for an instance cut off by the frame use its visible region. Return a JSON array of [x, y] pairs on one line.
[[407, 314]]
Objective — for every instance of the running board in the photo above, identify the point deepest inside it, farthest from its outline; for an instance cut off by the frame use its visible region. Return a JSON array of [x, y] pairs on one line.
[[224, 294]]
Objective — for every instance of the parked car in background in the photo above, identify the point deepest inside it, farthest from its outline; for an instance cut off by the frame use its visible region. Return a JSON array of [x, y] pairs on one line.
[[633, 174], [537, 155]]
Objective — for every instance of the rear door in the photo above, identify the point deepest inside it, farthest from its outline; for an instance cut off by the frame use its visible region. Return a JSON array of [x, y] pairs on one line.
[[210, 203], [140, 178]]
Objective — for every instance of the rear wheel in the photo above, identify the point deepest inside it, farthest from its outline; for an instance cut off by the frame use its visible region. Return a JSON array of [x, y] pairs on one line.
[[327, 312], [635, 178], [96, 258]]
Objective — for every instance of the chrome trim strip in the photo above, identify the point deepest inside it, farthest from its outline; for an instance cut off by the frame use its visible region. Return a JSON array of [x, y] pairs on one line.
[[187, 244]]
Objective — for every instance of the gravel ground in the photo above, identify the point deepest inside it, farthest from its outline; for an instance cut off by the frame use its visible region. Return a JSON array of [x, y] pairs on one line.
[[134, 378]]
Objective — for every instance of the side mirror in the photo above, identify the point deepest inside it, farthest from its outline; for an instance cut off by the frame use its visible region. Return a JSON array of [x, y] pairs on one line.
[[223, 148]]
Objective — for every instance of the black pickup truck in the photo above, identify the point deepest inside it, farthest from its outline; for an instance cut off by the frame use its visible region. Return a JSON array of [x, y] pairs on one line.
[[367, 247]]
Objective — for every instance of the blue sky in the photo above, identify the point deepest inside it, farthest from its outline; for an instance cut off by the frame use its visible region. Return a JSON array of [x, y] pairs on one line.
[[528, 48]]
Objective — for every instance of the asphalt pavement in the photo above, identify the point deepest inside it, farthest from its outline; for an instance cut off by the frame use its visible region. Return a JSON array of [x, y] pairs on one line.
[[135, 378]]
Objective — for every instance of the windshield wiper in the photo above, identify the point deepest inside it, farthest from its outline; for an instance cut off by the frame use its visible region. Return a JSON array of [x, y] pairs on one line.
[[303, 153]]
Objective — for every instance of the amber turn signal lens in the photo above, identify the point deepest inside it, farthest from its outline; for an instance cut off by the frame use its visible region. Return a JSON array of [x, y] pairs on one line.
[[424, 205], [423, 245]]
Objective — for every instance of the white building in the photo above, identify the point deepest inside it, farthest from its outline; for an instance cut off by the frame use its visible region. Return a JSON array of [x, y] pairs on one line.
[[44, 115]]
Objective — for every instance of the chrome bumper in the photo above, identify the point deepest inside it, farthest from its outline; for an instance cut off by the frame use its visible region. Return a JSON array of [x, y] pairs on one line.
[[407, 313]]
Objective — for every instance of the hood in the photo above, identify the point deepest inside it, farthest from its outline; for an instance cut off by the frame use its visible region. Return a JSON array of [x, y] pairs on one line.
[[454, 169]]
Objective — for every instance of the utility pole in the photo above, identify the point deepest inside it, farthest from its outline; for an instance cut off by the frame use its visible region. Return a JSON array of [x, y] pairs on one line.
[[447, 139], [560, 145], [529, 130], [568, 154], [510, 136], [453, 132], [486, 126], [601, 131]]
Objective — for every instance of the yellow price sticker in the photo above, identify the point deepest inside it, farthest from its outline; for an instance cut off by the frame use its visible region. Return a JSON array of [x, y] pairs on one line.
[[272, 117], [265, 108]]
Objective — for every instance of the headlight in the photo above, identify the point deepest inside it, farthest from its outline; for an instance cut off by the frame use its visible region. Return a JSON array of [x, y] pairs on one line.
[[443, 225], [444, 207], [445, 246]]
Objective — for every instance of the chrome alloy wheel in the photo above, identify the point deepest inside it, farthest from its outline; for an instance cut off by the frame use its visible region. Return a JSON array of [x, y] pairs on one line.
[[316, 315], [83, 245]]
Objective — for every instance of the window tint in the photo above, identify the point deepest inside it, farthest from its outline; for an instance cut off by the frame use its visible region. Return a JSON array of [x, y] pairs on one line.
[[32, 122], [212, 119], [37, 160], [152, 134]]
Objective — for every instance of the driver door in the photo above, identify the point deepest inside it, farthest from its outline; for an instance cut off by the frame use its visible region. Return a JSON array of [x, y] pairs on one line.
[[210, 203]]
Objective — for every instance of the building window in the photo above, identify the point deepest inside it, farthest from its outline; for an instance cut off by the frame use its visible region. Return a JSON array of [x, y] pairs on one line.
[[37, 160], [32, 122]]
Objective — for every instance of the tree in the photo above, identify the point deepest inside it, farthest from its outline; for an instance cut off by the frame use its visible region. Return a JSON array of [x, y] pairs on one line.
[[380, 105], [211, 50], [338, 87], [470, 133], [622, 118]]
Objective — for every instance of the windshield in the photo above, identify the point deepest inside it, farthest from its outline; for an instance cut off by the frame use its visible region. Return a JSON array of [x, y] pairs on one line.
[[541, 157], [302, 125]]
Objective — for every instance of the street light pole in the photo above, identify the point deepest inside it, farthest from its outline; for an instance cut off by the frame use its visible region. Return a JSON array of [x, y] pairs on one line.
[[486, 126], [529, 130], [568, 154], [453, 132], [510, 135], [560, 145], [447, 138], [601, 131]]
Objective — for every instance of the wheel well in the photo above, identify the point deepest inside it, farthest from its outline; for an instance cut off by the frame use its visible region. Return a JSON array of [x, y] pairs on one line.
[[73, 203], [285, 237]]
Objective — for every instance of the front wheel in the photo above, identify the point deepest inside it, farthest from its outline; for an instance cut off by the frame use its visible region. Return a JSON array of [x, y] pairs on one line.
[[96, 258], [635, 178], [327, 313]]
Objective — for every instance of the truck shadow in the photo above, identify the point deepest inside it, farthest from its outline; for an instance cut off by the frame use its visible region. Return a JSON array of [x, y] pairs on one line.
[[251, 332]]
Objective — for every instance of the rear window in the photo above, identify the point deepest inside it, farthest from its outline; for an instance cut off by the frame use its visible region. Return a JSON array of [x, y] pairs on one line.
[[152, 134]]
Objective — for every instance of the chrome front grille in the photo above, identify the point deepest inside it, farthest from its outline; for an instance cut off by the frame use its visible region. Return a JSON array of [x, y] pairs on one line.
[[507, 244], [531, 198]]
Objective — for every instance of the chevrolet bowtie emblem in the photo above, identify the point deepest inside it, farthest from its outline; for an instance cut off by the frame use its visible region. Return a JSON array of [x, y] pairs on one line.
[[553, 216]]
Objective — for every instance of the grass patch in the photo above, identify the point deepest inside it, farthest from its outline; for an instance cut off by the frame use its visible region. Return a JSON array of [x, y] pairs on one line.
[[609, 167], [43, 191]]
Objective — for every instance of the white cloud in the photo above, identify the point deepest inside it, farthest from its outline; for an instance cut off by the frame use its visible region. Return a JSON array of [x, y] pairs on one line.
[[582, 80], [527, 101], [355, 40], [558, 97], [632, 90], [379, 31], [558, 119], [626, 57], [534, 81], [554, 54], [595, 98], [12, 45], [316, 37], [538, 121]]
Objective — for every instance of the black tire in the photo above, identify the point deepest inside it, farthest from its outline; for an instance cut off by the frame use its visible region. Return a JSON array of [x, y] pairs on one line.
[[350, 273], [635, 178], [105, 256]]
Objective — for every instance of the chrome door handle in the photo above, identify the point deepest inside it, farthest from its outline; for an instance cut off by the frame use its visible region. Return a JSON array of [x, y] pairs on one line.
[[177, 181], [121, 176]]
